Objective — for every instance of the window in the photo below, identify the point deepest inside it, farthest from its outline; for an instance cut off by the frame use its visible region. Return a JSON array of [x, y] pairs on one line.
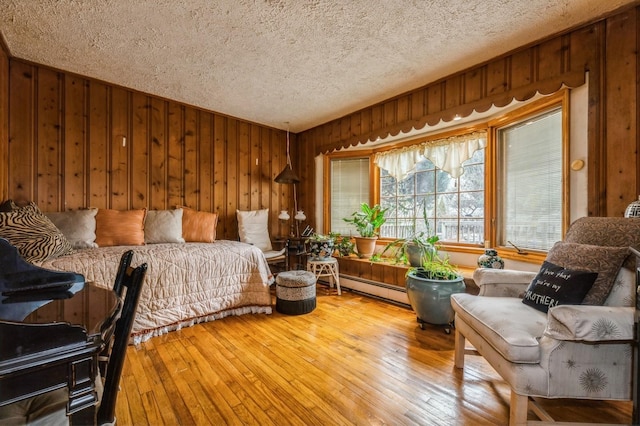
[[531, 182], [349, 189], [520, 156], [454, 207]]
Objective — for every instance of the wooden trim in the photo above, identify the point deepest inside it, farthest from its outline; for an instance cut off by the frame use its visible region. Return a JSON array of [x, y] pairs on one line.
[[4, 119]]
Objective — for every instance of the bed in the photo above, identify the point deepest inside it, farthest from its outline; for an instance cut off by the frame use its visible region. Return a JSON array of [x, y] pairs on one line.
[[185, 283]]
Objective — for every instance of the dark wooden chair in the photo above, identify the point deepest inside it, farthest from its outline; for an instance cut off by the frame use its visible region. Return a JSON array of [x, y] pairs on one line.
[[123, 273], [123, 268], [132, 288]]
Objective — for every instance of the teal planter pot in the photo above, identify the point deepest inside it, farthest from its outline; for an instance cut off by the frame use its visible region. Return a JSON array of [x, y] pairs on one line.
[[431, 299]]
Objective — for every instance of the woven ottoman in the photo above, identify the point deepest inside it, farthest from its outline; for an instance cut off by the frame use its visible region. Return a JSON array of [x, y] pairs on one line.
[[295, 292]]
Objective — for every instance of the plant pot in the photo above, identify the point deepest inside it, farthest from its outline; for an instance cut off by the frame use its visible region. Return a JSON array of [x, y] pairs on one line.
[[430, 299], [320, 249], [366, 246], [414, 254]]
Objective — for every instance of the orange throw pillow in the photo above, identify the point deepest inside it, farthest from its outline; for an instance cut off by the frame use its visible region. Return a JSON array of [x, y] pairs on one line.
[[120, 227], [198, 226]]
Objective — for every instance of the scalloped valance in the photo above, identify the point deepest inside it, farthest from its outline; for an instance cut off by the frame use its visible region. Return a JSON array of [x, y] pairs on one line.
[[447, 154], [384, 120]]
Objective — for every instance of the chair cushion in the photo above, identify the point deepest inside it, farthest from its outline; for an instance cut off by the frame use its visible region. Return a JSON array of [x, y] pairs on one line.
[[555, 285], [508, 325], [253, 228], [606, 261]]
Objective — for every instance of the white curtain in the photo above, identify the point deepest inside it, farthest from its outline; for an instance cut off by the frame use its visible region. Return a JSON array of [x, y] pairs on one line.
[[447, 154]]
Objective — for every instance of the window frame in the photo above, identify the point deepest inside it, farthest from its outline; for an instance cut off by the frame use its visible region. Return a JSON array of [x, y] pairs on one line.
[[534, 109], [491, 125]]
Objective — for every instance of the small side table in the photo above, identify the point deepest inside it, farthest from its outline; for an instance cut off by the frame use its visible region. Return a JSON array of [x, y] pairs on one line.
[[326, 268]]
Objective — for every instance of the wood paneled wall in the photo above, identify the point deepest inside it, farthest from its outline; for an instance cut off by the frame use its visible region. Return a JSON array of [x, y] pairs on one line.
[[4, 118], [607, 50], [65, 132], [76, 142]]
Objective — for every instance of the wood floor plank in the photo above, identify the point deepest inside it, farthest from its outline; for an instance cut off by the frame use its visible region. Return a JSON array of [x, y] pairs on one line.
[[354, 360]]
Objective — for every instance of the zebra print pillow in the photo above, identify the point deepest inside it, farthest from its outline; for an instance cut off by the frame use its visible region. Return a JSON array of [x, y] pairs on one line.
[[33, 234]]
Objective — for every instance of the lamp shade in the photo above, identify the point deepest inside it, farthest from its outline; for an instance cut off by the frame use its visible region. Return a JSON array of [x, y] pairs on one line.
[[287, 176]]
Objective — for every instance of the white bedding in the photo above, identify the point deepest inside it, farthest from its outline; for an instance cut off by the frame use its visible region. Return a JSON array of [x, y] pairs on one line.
[[185, 283]]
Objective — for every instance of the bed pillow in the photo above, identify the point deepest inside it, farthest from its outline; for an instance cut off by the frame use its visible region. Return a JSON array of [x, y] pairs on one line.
[[163, 226], [79, 226], [33, 234], [197, 226], [253, 228], [8, 206], [120, 227], [605, 261], [555, 285]]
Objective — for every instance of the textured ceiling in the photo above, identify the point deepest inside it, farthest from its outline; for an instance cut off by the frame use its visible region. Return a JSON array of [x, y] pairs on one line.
[[302, 62]]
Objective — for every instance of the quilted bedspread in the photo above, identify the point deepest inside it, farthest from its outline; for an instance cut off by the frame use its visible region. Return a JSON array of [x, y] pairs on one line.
[[185, 283]]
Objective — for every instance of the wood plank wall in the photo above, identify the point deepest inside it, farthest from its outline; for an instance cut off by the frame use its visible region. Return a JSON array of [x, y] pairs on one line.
[[607, 49], [65, 132], [4, 118], [75, 142]]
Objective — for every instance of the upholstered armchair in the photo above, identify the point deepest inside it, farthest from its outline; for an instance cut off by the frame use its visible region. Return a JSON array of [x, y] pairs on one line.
[[582, 349]]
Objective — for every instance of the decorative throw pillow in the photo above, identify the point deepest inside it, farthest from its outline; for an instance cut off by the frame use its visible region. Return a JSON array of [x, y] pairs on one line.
[[8, 206], [198, 226], [79, 226], [163, 226], [606, 261], [120, 227], [33, 234], [555, 285], [253, 228]]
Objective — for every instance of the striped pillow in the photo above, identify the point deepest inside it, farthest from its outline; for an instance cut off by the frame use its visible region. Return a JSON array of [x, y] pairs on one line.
[[33, 234]]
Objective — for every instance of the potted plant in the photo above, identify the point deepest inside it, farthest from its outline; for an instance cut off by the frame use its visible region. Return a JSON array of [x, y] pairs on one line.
[[415, 248], [367, 221], [430, 286], [344, 245], [321, 246]]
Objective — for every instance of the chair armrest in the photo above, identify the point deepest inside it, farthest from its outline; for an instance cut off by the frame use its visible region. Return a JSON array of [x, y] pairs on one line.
[[502, 282], [589, 323]]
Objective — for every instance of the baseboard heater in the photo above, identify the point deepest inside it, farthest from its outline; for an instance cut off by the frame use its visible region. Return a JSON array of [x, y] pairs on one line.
[[376, 289]]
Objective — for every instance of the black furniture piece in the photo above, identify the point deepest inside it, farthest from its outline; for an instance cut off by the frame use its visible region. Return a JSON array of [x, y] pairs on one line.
[[52, 327], [132, 285], [121, 282]]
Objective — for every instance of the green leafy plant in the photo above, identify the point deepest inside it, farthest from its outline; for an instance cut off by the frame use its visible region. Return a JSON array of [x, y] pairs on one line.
[[368, 220], [321, 246], [423, 242], [436, 268], [344, 245]]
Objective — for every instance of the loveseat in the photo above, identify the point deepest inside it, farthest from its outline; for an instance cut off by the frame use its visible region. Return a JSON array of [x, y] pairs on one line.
[[192, 277], [564, 332]]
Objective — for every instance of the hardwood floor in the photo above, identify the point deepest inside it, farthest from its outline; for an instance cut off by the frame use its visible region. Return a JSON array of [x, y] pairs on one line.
[[353, 360]]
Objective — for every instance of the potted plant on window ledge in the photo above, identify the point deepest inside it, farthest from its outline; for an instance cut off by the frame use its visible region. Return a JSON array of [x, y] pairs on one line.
[[414, 248], [429, 288], [321, 246], [367, 221]]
